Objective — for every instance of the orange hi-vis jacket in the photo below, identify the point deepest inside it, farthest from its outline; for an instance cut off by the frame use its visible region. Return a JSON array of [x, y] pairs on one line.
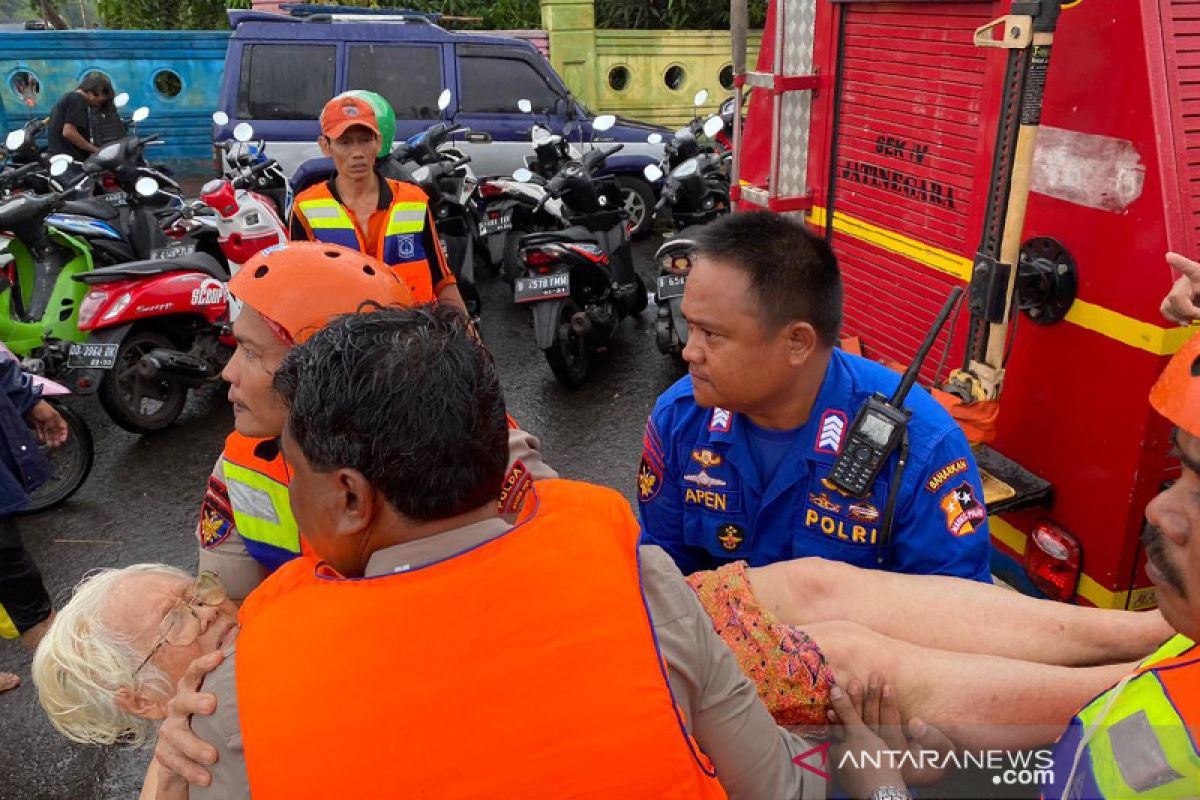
[[536, 643], [402, 243]]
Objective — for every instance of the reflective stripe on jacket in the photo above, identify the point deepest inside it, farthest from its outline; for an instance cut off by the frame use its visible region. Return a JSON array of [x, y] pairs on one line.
[[258, 497], [1138, 739]]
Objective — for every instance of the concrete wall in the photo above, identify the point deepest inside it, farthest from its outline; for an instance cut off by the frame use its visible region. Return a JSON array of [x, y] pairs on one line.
[[132, 60]]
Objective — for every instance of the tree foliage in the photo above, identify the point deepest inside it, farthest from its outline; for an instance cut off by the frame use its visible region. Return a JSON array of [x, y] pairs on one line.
[[163, 15]]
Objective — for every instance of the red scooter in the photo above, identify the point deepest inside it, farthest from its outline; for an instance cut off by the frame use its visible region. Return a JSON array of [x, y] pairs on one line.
[[156, 329]]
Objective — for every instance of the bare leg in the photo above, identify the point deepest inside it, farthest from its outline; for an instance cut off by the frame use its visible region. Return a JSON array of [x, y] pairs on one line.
[[979, 701], [954, 614]]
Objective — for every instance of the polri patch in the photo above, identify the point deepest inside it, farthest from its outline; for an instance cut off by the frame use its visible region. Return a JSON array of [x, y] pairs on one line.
[[964, 512], [649, 480], [517, 483], [215, 526]]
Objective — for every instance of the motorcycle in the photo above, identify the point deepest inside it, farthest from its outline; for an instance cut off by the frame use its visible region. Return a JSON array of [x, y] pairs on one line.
[[572, 279], [697, 191], [156, 328], [511, 209], [443, 174], [70, 462], [241, 159]]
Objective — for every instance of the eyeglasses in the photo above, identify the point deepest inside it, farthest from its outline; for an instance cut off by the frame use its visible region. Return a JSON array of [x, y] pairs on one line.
[[181, 626]]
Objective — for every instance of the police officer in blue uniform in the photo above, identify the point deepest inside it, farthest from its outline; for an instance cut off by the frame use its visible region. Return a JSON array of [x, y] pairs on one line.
[[736, 457]]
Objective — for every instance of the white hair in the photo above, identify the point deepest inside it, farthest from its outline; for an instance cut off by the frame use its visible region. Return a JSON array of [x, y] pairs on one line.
[[81, 665]]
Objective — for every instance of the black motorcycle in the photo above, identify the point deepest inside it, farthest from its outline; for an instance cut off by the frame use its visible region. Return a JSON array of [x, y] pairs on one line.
[[580, 282]]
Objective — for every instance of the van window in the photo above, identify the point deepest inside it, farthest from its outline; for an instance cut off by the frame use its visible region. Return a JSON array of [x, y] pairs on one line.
[[268, 87], [493, 84], [409, 77]]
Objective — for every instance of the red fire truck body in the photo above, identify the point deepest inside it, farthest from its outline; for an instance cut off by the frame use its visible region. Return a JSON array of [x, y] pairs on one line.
[[881, 120]]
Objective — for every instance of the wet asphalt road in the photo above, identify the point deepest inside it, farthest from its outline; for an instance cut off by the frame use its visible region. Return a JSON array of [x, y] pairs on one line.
[[141, 502]]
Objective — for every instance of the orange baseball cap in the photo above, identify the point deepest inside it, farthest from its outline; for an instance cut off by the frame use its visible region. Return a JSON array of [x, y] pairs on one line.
[[344, 112], [1176, 394]]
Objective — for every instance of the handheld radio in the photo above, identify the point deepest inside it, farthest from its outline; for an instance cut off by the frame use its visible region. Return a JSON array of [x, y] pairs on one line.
[[882, 423]]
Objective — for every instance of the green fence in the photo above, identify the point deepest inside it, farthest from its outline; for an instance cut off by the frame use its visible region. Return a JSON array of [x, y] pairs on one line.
[[646, 75]]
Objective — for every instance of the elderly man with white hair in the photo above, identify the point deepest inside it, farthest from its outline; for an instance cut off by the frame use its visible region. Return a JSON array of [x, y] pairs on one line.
[[113, 656]]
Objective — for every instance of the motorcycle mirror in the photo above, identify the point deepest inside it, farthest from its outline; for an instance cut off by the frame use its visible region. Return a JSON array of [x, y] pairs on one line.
[[539, 135], [141, 114], [654, 138], [121, 100], [569, 128], [604, 122], [653, 173], [14, 139], [444, 100], [713, 126], [420, 174], [220, 117], [701, 98], [146, 187], [523, 175], [58, 167], [244, 132], [524, 106]]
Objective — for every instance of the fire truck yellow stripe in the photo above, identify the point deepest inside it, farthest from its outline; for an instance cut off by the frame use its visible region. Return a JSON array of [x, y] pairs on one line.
[[1016, 540], [1106, 322]]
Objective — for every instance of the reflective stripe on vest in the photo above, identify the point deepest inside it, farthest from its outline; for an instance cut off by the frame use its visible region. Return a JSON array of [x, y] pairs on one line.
[[1143, 733], [263, 515], [567, 709], [330, 222]]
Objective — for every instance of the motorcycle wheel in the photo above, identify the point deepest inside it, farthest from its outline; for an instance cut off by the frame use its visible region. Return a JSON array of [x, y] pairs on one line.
[[643, 297], [639, 201], [510, 263], [133, 404], [70, 463], [569, 357]]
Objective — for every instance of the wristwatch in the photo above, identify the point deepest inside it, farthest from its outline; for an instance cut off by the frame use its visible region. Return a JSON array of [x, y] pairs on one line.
[[890, 793]]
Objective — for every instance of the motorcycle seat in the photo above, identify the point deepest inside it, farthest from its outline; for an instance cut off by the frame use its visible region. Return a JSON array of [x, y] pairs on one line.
[[573, 235], [131, 270], [94, 207]]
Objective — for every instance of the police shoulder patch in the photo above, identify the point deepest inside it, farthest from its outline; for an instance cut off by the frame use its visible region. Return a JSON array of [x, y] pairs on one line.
[[649, 480], [517, 483], [215, 525], [964, 512]]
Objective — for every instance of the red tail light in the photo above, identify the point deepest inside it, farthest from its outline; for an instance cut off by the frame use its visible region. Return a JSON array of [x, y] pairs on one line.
[[490, 190], [1052, 561], [540, 257], [109, 182]]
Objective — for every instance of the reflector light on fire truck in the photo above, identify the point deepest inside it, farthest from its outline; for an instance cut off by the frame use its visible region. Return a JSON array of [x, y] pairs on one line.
[[1052, 560]]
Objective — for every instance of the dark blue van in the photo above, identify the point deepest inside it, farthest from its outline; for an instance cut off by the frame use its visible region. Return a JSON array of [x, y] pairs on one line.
[[281, 70]]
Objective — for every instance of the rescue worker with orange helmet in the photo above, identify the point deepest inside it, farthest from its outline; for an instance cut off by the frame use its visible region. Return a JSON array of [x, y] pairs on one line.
[[582, 664], [1141, 738], [360, 209], [246, 527]]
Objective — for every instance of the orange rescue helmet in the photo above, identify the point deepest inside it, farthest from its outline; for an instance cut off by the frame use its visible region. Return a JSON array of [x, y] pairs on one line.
[[1176, 394], [300, 286]]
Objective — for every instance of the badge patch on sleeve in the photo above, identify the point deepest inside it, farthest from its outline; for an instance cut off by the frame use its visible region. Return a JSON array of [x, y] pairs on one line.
[[964, 512], [939, 478], [649, 480], [215, 525], [829, 436]]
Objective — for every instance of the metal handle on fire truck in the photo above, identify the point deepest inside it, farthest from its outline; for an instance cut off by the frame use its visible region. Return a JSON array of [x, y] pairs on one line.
[[737, 27]]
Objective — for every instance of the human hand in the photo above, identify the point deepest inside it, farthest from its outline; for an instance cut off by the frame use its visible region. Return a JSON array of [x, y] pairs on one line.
[[179, 750], [48, 425], [880, 711], [1179, 305], [858, 775]]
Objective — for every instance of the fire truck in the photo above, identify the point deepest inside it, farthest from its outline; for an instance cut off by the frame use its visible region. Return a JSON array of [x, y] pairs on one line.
[[1044, 156]]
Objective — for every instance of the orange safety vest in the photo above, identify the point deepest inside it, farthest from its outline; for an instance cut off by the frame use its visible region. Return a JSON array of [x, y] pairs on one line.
[[402, 245], [524, 667]]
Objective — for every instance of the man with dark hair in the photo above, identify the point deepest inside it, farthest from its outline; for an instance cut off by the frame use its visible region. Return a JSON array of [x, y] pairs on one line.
[[737, 454], [69, 129], [581, 663]]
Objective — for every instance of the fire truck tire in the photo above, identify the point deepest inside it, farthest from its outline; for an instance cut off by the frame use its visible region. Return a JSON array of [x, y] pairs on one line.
[[639, 201]]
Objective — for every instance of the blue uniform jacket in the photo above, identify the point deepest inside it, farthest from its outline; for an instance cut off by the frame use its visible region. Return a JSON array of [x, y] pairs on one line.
[[703, 502]]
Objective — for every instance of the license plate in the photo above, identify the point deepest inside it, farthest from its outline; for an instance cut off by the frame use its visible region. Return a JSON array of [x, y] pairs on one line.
[[115, 198], [670, 286], [502, 222], [547, 287], [92, 356], [173, 251]]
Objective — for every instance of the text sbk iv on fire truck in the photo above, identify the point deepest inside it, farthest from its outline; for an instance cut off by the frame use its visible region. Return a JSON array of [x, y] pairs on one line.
[[1045, 157]]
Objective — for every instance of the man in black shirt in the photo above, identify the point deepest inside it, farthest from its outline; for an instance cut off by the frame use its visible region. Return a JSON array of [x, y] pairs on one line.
[[69, 130]]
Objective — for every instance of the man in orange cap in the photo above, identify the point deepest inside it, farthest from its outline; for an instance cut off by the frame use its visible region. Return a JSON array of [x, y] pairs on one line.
[[1141, 738], [246, 528], [360, 209]]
